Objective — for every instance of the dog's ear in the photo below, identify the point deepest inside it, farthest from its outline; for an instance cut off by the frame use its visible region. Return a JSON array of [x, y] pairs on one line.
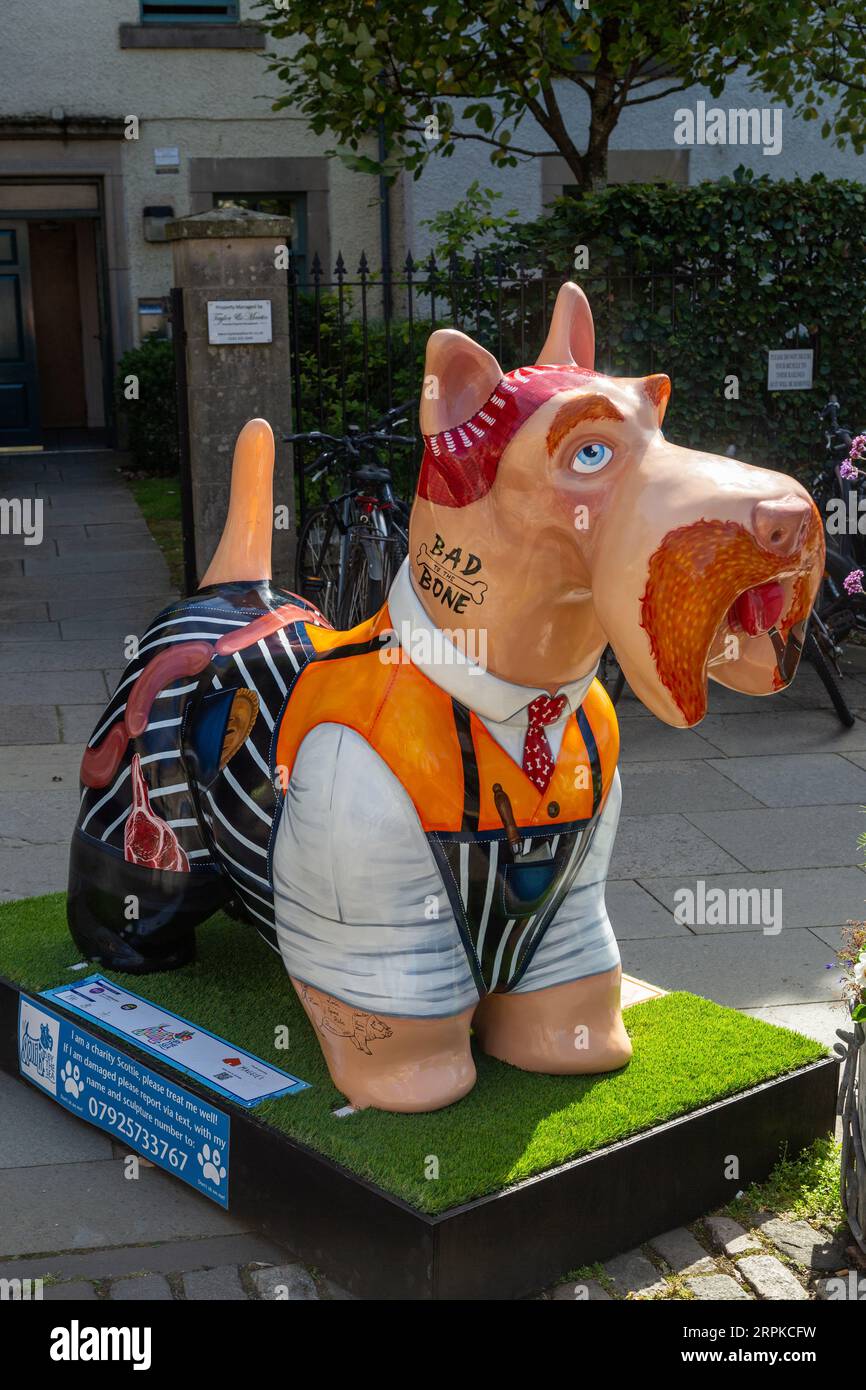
[[459, 376], [571, 339]]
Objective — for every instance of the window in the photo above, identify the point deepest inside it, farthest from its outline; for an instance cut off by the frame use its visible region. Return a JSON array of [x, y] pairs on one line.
[[292, 205], [189, 12]]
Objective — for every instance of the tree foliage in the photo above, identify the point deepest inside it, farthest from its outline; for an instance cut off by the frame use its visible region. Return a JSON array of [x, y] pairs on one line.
[[431, 75]]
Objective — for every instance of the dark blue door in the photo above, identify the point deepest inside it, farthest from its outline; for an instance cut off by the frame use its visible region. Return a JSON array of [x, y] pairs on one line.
[[19, 375]]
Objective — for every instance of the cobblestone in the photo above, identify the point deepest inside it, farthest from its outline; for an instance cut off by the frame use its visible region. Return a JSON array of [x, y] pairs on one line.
[[769, 1278]]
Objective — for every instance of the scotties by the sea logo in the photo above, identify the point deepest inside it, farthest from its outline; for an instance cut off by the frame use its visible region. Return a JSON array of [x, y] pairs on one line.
[[38, 1035]]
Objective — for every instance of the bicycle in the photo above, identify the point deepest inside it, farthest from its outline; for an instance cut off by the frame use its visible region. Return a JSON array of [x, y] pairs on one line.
[[350, 548], [836, 613]]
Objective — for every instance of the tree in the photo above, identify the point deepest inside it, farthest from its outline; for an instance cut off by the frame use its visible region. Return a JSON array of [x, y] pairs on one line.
[[823, 60], [427, 76]]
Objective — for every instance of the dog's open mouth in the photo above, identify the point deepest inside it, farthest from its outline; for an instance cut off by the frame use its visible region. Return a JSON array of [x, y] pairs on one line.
[[717, 604], [758, 609]]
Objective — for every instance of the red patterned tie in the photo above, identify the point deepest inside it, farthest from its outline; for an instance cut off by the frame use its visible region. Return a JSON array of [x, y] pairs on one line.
[[538, 761]]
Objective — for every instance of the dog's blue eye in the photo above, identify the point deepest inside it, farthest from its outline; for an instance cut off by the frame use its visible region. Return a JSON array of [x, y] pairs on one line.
[[591, 457]]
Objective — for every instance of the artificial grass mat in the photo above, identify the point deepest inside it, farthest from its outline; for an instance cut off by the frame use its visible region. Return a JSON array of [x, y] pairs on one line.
[[688, 1052]]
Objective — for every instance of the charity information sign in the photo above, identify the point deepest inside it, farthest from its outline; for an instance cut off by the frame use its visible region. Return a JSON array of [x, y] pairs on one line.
[[146, 1112], [233, 1072], [790, 370], [239, 321]]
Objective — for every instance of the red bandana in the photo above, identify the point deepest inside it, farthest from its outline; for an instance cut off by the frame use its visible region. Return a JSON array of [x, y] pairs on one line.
[[460, 464], [538, 760]]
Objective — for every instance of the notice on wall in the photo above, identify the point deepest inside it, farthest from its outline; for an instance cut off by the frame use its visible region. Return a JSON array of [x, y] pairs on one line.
[[239, 321], [144, 1111], [233, 1072], [790, 370], [166, 159]]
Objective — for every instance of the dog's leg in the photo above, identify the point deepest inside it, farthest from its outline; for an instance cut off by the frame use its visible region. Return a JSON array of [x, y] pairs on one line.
[[411, 1064], [574, 1028]]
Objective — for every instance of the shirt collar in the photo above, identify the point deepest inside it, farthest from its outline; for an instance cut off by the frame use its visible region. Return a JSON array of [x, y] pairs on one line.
[[455, 671]]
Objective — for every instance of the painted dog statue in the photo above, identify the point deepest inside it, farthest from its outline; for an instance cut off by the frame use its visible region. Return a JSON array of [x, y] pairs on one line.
[[418, 814]]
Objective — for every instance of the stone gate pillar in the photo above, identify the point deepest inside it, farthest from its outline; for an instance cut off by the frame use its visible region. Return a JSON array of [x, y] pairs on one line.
[[236, 315]]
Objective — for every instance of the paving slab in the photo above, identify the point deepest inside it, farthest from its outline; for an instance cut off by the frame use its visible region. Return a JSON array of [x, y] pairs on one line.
[[744, 970], [41, 631], [147, 1288], [46, 767], [222, 1284], [632, 1272], [99, 562], [288, 1283], [31, 818], [645, 740], [729, 1236], [690, 785], [666, 844], [34, 1130], [795, 779], [804, 1245], [809, 897], [33, 724], [770, 1278], [98, 605], [85, 657], [35, 869], [716, 1288], [680, 1250], [166, 1257], [585, 1291], [818, 1021], [790, 838], [747, 735], [77, 722], [119, 583], [111, 627], [49, 1208], [635, 913], [22, 610], [54, 688], [132, 540], [75, 1292]]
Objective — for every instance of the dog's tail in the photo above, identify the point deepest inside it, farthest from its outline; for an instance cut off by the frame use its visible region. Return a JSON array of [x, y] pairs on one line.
[[244, 551]]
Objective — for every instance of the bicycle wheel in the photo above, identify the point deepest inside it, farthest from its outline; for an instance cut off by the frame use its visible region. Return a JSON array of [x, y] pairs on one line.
[[812, 652], [365, 583], [317, 566]]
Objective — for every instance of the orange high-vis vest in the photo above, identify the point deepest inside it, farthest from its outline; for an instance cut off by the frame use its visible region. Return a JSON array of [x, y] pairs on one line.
[[507, 853]]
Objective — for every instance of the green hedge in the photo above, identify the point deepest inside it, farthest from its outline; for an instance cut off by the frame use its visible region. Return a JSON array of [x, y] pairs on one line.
[[700, 282], [151, 420]]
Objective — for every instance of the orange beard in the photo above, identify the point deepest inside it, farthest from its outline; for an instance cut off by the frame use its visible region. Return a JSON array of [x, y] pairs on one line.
[[694, 577]]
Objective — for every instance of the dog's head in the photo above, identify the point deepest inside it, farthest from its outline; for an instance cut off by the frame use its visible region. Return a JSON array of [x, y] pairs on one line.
[[552, 512]]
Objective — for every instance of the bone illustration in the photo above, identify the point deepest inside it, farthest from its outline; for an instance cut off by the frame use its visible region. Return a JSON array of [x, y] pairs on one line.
[[425, 840]]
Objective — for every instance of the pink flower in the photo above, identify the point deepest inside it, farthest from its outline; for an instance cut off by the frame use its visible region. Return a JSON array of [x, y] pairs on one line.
[[853, 582], [847, 470]]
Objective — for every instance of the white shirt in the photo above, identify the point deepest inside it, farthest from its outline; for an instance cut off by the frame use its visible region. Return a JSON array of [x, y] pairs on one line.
[[500, 705], [361, 909]]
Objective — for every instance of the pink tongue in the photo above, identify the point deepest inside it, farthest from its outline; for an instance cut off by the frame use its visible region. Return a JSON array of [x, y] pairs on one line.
[[758, 609]]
